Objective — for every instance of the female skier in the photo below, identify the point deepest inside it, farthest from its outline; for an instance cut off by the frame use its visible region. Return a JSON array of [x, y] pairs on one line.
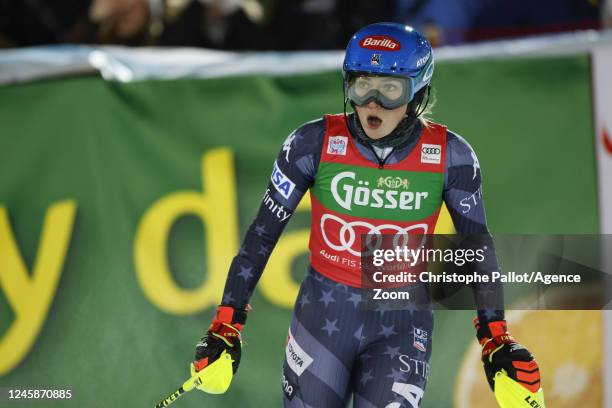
[[336, 350]]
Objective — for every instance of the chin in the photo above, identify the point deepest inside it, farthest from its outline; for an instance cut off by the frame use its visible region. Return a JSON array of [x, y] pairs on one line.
[[377, 134]]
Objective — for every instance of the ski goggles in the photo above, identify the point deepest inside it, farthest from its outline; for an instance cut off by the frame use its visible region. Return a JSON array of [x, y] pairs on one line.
[[388, 91]]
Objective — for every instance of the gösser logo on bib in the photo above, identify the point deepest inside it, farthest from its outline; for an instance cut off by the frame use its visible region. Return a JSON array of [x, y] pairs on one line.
[[380, 42]]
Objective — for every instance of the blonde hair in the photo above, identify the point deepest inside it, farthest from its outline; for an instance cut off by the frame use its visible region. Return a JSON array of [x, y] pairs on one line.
[[425, 116]]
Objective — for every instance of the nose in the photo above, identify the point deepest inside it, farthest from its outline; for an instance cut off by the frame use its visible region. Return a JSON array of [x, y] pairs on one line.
[[372, 105]]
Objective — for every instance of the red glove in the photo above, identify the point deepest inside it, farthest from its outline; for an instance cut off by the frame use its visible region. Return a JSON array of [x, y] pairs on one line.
[[501, 352], [223, 334]]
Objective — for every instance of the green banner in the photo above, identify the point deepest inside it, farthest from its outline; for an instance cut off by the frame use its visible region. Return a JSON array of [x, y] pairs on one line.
[[121, 206]]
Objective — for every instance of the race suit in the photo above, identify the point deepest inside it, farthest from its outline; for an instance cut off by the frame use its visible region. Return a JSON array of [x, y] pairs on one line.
[[336, 350]]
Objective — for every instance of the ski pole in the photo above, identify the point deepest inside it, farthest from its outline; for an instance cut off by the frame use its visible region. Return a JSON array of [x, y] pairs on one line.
[[188, 385]]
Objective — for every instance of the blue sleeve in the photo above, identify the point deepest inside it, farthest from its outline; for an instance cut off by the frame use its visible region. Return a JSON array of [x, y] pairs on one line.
[[293, 172], [464, 200], [463, 187]]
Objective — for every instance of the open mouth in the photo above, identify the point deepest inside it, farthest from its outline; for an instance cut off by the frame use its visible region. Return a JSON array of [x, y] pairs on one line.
[[374, 122]]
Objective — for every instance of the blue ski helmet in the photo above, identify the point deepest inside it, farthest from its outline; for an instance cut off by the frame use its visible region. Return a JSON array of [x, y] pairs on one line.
[[390, 49]]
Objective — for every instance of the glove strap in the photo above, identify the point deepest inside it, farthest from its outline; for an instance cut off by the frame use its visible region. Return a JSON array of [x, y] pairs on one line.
[[231, 316], [228, 323], [489, 330]]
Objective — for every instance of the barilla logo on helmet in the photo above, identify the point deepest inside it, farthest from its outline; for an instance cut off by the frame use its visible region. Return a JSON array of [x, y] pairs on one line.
[[380, 43]]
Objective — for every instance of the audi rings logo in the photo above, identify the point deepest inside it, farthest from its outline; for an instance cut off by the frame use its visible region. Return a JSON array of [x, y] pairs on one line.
[[431, 150], [431, 153], [347, 234]]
